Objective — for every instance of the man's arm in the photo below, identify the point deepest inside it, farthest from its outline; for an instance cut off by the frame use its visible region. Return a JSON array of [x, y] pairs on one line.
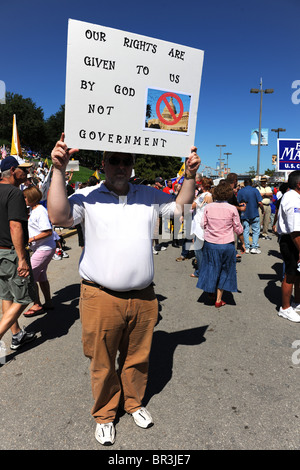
[[242, 207], [269, 193], [266, 192], [260, 204], [17, 237], [187, 192], [58, 206]]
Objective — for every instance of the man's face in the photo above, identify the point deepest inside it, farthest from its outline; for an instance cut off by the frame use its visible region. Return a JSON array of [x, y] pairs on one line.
[[118, 169], [169, 183]]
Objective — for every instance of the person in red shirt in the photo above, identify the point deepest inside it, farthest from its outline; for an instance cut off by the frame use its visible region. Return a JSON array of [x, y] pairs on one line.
[[169, 189]]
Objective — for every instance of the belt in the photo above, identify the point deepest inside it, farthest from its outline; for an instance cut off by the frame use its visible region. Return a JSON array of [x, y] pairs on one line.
[[110, 291], [6, 247], [92, 284]]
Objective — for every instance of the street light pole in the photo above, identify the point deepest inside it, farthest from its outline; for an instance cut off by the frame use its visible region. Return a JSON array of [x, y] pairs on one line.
[[278, 130], [261, 91], [227, 153], [220, 155]]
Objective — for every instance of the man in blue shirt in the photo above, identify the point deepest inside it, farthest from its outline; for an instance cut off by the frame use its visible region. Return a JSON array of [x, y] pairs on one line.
[[250, 216]]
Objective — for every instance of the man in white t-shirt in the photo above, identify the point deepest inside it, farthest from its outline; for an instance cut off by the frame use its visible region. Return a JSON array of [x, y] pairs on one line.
[[288, 228], [118, 306]]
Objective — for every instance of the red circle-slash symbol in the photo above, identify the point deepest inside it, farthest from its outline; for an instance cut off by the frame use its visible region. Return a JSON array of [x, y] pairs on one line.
[[163, 98]]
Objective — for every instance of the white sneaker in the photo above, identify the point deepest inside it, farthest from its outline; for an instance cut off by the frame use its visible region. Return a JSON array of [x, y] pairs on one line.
[[289, 314], [105, 433], [154, 251], [143, 418], [255, 251], [247, 251], [159, 248]]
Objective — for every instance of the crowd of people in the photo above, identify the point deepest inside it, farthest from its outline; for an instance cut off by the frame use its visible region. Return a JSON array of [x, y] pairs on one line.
[[120, 227]]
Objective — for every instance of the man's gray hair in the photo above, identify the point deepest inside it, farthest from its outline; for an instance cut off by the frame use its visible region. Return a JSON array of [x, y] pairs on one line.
[[5, 174]]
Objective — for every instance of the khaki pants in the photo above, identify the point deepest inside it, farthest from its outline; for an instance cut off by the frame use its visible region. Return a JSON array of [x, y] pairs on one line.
[[265, 218], [113, 322]]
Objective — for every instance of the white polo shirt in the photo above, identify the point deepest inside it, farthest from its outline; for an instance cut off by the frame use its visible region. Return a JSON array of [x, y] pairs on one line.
[[289, 213], [118, 234]]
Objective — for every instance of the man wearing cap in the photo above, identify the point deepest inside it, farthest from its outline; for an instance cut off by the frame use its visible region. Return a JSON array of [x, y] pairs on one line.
[[265, 215], [118, 305], [158, 183], [16, 282]]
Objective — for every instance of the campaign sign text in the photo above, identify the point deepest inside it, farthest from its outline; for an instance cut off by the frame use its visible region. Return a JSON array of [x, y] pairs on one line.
[[288, 154]]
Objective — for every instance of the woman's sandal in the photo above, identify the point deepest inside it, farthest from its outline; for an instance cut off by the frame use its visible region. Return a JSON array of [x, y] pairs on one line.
[[220, 304], [33, 312]]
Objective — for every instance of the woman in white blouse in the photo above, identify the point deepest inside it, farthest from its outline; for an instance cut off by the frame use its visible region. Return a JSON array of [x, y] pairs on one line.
[[43, 245]]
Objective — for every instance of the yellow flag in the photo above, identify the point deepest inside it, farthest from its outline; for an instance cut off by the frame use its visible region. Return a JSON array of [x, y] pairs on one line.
[[182, 170], [46, 162], [96, 174], [15, 143]]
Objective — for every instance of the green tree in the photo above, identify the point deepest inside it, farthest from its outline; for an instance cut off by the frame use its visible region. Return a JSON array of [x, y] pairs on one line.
[[30, 121], [251, 172], [269, 172], [150, 166], [54, 126]]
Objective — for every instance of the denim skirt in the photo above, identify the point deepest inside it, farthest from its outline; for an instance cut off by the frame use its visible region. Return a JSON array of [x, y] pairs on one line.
[[218, 268]]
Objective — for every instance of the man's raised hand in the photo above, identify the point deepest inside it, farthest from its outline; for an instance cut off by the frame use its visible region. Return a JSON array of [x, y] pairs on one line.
[[61, 154]]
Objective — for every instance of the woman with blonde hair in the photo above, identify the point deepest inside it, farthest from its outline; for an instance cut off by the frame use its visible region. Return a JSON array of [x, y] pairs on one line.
[[43, 245]]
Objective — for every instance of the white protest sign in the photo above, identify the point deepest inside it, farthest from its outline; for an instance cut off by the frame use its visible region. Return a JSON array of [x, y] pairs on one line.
[[130, 93]]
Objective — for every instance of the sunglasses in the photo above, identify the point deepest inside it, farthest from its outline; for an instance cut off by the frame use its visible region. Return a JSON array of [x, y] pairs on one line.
[[114, 160]]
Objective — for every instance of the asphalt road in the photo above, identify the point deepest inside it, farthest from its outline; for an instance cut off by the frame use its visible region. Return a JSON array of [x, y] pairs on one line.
[[219, 378]]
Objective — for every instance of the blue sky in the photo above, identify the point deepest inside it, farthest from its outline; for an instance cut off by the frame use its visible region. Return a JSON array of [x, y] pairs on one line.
[[243, 41]]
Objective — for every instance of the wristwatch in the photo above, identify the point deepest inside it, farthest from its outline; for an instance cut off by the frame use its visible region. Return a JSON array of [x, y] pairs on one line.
[[189, 177]]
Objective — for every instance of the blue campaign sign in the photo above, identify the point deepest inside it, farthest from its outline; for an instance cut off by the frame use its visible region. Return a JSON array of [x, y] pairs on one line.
[[288, 154]]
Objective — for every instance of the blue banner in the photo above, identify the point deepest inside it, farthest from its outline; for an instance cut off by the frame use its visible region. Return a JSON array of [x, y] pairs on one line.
[[288, 154]]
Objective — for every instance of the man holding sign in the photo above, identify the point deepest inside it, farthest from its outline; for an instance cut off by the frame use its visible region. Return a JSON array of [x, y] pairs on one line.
[[118, 306]]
